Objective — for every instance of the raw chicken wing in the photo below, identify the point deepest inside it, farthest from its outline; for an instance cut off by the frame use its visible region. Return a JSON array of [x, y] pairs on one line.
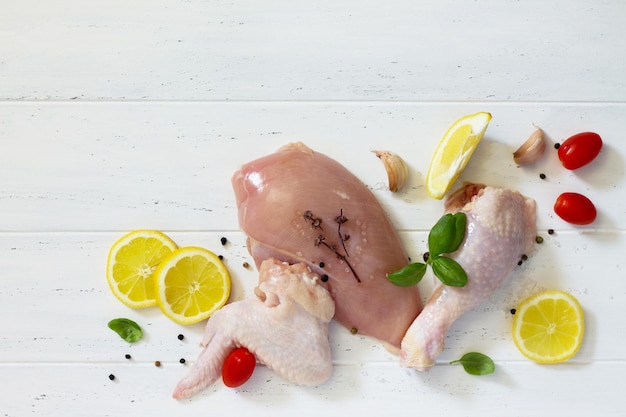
[[286, 329]]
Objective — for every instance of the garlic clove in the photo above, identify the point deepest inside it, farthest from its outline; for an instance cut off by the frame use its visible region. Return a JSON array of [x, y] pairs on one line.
[[397, 170], [531, 150]]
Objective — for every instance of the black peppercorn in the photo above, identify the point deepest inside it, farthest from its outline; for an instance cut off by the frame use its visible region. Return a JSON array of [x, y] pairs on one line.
[[519, 262], [513, 311], [550, 231], [324, 278], [181, 337], [127, 356], [182, 360], [221, 257], [426, 256], [224, 241], [322, 264], [557, 145], [542, 176], [111, 377]]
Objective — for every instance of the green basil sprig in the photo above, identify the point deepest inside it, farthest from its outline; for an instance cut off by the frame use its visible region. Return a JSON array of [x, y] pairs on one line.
[[476, 363], [445, 237], [127, 329]]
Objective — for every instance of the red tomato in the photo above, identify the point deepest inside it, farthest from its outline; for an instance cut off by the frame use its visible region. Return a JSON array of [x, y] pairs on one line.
[[579, 150], [575, 208], [238, 367]]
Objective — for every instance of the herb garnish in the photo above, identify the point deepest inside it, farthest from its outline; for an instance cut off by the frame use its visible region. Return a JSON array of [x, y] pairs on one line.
[[476, 363], [445, 237], [322, 241], [127, 329]]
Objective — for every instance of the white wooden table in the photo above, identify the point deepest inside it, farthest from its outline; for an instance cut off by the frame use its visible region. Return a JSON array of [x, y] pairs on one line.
[[124, 115]]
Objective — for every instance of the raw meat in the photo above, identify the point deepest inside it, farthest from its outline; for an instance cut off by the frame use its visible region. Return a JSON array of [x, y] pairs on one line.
[[501, 227], [297, 205], [286, 329]]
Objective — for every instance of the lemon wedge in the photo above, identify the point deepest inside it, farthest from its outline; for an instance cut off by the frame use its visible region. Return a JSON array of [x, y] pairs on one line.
[[191, 284], [549, 326], [131, 262], [454, 152]]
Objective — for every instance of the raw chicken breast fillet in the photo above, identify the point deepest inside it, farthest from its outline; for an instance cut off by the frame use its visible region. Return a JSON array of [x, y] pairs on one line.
[[501, 227], [297, 205]]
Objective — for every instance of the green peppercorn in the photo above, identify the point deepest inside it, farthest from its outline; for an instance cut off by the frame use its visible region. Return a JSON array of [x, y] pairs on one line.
[[539, 239]]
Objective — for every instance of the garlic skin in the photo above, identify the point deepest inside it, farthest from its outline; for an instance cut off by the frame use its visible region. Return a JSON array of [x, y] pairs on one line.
[[531, 150], [397, 170]]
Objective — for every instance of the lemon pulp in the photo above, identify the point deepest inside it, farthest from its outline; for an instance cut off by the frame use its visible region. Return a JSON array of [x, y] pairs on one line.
[[549, 326], [191, 284], [454, 151], [131, 263]]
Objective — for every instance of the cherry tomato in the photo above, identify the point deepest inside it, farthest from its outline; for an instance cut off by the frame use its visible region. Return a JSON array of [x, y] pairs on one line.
[[578, 150], [575, 208], [238, 367]]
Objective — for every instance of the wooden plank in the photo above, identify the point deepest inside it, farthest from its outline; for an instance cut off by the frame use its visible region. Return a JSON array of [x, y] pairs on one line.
[[277, 50], [513, 390], [56, 302], [121, 166]]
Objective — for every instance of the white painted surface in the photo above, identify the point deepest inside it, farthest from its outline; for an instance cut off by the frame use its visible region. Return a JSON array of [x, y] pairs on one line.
[[124, 115]]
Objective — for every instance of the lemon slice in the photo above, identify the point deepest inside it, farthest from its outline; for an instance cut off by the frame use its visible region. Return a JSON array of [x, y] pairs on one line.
[[131, 263], [191, 284], [548, 327], [454, 151]]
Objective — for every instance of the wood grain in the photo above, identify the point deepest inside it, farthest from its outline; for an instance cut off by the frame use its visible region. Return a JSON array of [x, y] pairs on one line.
[[122, 116]]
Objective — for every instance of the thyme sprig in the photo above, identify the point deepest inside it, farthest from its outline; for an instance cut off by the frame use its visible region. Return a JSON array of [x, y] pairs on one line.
[[444, 238], [321, 240]]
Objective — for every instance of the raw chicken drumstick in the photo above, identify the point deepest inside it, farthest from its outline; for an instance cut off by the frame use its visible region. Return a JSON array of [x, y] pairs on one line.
[[501, 227], [287, 330]]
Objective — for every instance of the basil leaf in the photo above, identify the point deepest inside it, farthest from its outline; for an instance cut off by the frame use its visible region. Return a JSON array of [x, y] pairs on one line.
[[476, 363], [127, 329], [409, 275], [460, 224], [447, 234], [449, 271]]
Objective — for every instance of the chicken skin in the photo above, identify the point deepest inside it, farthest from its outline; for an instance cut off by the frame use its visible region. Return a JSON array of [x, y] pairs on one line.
[[286, 329], [501, 227], [297, 205]]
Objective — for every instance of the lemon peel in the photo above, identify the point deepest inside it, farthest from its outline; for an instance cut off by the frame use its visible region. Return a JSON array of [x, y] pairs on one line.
[[454, 151]]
